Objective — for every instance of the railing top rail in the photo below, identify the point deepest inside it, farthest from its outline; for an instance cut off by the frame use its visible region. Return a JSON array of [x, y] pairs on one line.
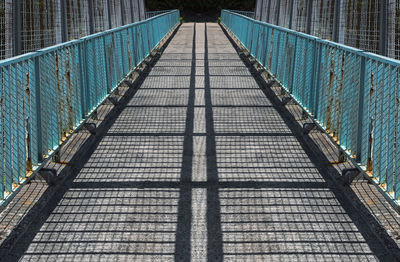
[[31, 55], [351, 94], [380, 58]]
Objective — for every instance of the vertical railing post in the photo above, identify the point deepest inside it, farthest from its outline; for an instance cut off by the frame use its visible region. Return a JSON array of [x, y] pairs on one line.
[[268, 10], [91, 17], [293, 70], [142, 9], [315, 79], [63, 16], [38, 110], [336, 20], [132, 12], [83, 75], [122, 7], [16, 27], [383, 27], [278, 11], [109, 14], [360, 110], [291, 14], [309, 16]]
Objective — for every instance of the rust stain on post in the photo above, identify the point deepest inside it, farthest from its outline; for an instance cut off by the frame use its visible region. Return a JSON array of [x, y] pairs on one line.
[[339, 102], [272, 47], [371, 138], [330, 99], [69, 96], [129, 52], [28, 139], [60, 107]]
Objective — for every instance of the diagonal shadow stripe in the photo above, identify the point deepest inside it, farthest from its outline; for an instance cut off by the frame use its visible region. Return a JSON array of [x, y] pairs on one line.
[[182, 243], [214, 231]]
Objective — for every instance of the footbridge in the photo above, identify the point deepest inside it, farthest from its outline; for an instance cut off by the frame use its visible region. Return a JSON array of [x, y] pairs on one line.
[[236, 141]]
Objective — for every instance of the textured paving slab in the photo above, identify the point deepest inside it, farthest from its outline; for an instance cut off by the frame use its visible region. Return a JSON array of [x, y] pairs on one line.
[[201, 166]]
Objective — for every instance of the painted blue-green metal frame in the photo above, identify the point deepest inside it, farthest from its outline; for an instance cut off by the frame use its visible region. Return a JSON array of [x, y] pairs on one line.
[[351, 94], [47, 95]]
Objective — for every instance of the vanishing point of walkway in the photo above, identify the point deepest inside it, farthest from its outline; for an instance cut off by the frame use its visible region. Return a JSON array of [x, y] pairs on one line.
[[200, 166]]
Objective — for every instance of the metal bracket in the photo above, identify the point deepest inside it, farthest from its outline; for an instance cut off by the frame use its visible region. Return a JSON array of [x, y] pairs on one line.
[[113, 100], [304, 115], [129, 83], [286, 100], [57, 157], [348, 175], [91, 127], [308, 127], [49, 175], [95, 115], [270, 83], [342, 157], [116, 92], [283, 91]]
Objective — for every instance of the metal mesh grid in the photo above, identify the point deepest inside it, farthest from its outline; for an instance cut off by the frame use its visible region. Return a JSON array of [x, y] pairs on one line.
[[115, 6], [284, 13], [77, 18], [5, 29], [394, 29], [127, 9], [273, 12], [338, 85], [40, 24], [361, 24], [322, 19], [300, 16], [100, 15], [46, 95], [136, 11]]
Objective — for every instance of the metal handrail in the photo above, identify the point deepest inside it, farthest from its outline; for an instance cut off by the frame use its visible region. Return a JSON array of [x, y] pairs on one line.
[[150, 14], [245, 13], [351, 94], [47, 95]]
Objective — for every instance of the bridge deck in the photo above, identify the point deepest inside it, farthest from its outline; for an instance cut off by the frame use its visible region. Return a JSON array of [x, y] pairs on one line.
[[201, 164]]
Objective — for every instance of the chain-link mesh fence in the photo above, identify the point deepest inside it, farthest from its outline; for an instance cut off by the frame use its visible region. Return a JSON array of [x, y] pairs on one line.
[[5, 28], [29, 25], [370, 25], [354, 96], [45, 96]]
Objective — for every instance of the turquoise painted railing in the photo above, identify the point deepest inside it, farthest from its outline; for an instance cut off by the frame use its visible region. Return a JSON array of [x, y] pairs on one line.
[[48, 94], [353, 95]]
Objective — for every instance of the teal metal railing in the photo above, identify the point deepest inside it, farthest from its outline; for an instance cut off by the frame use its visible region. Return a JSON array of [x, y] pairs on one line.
[[48, 94], [353, 95]]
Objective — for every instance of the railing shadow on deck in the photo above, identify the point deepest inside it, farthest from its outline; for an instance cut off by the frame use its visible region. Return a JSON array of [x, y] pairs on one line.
[[232, 200]]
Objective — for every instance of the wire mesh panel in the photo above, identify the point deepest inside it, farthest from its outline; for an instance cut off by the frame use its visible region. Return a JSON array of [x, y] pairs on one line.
[[142, 10], [77, 13], [284, 13], [127, 10], [40, 24], [323, 13], [100, 13], [273, 11], [136, 11], [115, 11], [45, 96], [264, 10], [299, 16], [353, 95], [258, 9], [361, 24], [5, 28], [394, 29]]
